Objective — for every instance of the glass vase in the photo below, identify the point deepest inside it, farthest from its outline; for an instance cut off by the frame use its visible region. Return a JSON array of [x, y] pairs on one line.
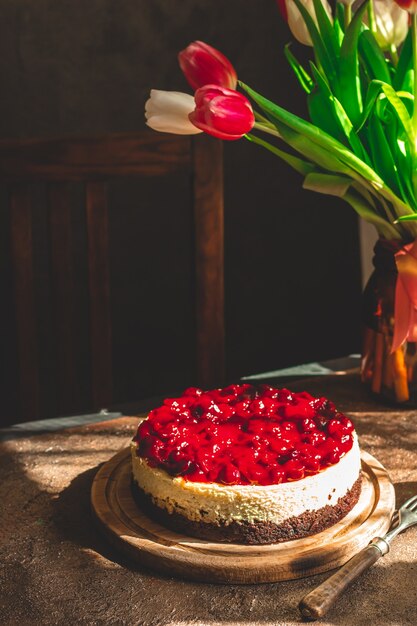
[[391, 376]]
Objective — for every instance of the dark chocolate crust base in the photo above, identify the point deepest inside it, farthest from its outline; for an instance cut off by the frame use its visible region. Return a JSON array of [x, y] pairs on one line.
[[308, 523]]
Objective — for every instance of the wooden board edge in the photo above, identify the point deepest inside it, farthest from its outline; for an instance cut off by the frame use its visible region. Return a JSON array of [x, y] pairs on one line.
[[186, 566]]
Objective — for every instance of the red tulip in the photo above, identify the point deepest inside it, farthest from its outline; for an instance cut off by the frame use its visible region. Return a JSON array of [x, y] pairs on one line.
[[282, 5], [408, 5], [221, 112], [204, 65]]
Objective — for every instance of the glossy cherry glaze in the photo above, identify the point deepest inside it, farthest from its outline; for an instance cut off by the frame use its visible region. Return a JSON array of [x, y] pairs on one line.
[[243, 435]]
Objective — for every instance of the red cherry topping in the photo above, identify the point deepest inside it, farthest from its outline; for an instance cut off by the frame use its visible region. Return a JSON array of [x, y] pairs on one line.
[[243, 435]]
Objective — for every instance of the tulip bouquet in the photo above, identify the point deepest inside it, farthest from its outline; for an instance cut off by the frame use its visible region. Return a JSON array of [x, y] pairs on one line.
[[360, 141]]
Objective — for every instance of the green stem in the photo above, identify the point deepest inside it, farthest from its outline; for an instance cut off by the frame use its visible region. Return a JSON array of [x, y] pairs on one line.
[[371, 17], [269, 129], [348, 15], [261, 118], [394, 54]]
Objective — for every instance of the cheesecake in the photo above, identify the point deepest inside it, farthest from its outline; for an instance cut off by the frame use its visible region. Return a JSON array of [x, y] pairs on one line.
[[246, 464]]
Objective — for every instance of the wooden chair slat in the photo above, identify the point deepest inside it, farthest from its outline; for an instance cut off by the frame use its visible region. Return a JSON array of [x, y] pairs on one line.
[[22, 260], [133, 154], [99, 278], [209, 247], [79, 249], [64, 295]]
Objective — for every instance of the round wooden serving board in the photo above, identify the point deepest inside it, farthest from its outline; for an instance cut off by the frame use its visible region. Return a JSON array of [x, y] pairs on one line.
[[154, 546]]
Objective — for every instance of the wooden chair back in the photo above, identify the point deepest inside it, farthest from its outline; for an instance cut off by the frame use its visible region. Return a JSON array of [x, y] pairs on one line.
[[94, 161]]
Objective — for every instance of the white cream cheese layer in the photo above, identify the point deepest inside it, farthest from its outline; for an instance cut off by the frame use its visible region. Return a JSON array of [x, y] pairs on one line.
[[212, 502]]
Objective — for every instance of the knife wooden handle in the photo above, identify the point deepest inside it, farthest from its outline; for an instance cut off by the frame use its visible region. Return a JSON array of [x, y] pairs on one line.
[[316, 603]]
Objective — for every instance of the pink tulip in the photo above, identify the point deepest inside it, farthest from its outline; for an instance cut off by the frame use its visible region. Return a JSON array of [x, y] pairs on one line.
[[221, 112], [405, 296], [408, 5], [204, 65]]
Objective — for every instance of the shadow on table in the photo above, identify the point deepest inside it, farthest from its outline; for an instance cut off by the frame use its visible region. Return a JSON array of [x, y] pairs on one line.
[[74, 520]]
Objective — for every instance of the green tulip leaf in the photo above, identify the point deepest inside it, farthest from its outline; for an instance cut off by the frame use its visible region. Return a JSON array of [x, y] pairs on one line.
[[301, 166], [339, 22], [384, 228], [373, 93], [340, 15], [404, 72], [326, 29], [345, 188], [365, 194], [381, 155], [311, 150], [321, 107], [328, 114], [324, 58], [405, 175], [334, 148], [323, 159], [303, 77], [327, 184], [326, 151], [378, 89], [408, 101], [401, 112], [406, 218], [373, 58], [349, 82]]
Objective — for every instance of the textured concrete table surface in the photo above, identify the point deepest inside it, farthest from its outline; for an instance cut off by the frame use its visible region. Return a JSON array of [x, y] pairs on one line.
[[55, 568]]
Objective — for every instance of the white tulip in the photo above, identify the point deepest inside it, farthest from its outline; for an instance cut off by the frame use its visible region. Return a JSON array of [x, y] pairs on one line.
[[391, 23], [296, 22], [167, 112]]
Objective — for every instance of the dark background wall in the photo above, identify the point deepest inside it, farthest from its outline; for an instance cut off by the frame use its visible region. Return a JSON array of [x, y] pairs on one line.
[[292, 257]]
